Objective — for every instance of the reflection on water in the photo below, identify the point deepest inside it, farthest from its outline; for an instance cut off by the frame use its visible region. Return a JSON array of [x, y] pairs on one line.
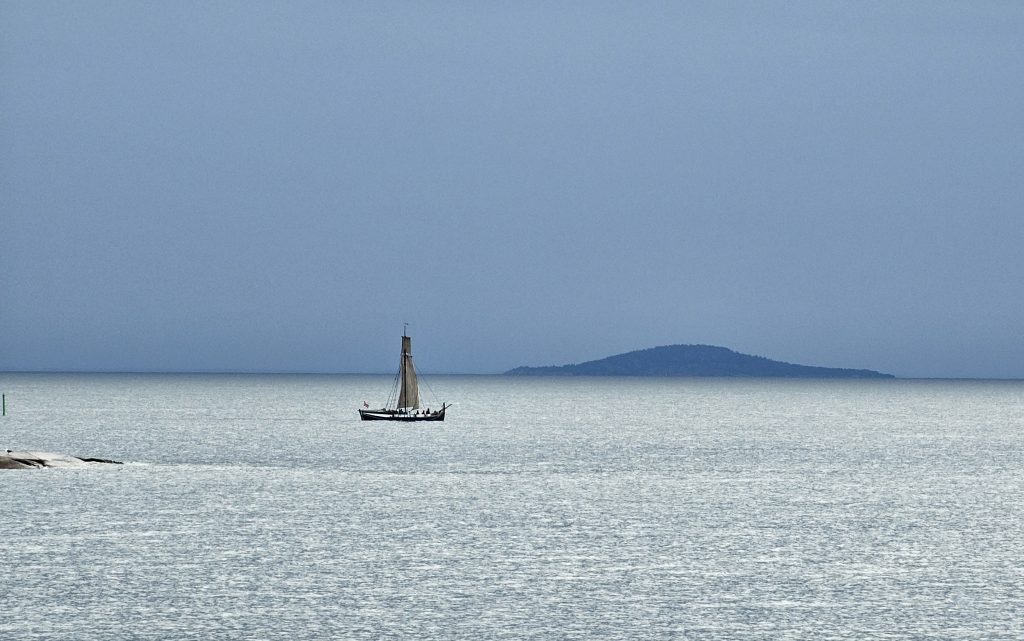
[[260, 507]]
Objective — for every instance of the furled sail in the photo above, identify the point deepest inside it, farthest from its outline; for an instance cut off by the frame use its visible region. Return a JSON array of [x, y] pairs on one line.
[[409, 390]]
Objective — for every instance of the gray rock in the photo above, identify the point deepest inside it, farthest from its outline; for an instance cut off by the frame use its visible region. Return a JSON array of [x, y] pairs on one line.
[[22, 460]]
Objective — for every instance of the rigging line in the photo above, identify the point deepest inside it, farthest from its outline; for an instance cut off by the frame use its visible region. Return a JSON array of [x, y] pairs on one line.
[[393, 396], [431, 389]]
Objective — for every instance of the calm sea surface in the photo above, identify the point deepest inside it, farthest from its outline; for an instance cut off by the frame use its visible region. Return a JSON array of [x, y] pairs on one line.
[[259, 507]]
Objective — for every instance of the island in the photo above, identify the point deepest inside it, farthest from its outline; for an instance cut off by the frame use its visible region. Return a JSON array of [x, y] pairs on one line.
[[693, 360]]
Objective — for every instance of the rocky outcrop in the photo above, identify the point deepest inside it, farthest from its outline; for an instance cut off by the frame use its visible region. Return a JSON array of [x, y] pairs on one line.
[[24, 460]]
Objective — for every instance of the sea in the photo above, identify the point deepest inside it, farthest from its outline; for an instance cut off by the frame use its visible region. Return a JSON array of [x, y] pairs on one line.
[[260, 507]]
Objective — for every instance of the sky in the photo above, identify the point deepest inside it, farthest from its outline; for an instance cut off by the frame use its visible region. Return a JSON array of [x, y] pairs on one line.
[[279, 186]]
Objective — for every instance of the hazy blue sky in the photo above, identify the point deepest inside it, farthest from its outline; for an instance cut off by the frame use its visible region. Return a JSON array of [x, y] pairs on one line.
[[279, 186]]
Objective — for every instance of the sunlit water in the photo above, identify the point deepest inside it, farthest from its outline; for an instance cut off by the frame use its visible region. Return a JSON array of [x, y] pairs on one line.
[[259, 507]]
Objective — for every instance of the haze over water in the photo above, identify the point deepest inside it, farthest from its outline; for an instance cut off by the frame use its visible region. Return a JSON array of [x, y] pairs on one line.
[[260, 507]]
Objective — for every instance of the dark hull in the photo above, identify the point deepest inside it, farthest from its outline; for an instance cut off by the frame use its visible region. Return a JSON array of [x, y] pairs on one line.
[[385, 415]]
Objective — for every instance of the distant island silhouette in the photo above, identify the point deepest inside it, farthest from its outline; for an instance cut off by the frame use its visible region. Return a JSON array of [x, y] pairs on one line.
[[693, 360]]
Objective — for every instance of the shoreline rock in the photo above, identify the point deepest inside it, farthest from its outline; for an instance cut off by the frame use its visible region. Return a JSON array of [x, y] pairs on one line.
[[25, 460]]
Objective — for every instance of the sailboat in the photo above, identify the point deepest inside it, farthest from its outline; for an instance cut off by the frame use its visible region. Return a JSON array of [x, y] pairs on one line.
[[404, 401]]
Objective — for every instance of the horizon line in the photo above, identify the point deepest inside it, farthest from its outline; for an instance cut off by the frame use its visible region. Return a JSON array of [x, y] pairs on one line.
[[428, 373]]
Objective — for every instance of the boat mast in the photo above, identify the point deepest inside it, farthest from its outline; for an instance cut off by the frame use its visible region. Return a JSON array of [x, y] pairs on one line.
[[409, 391]]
